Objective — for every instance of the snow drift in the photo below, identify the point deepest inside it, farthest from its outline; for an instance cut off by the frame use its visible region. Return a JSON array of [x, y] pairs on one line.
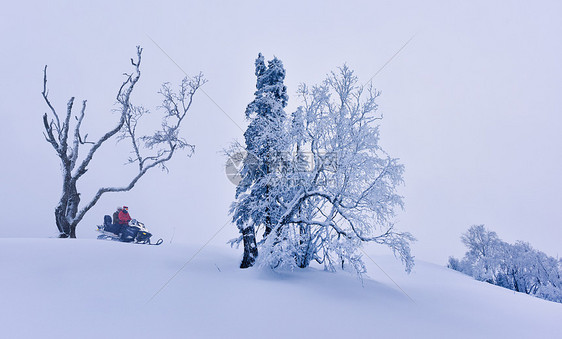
[[89, 288]]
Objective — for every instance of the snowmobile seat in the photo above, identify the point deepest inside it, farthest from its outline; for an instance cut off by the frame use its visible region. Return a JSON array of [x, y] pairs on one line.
[[107, 220], [109, 226]]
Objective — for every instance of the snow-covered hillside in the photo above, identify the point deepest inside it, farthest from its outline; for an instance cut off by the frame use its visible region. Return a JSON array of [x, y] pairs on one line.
[[55, 288]]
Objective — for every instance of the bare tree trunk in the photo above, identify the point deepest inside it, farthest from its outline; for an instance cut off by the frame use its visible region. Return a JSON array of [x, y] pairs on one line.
[[250, 247], [60, 219], [66, 210]]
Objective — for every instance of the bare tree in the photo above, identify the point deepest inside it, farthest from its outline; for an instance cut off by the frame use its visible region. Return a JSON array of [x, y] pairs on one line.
[[65, 135]]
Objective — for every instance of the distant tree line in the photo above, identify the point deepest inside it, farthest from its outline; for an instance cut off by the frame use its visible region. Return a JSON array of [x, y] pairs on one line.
[[518, 266]]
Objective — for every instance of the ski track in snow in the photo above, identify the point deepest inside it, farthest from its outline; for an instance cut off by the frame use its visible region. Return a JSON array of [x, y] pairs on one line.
[[86, 288]]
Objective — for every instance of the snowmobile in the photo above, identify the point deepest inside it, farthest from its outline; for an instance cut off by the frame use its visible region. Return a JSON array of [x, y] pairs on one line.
[[134, 232]]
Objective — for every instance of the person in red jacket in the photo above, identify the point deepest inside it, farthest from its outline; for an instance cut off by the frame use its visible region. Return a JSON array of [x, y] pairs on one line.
[[124, 216]]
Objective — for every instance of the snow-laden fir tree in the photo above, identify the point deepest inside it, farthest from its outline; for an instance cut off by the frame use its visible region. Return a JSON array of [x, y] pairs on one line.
[[347, 194], [256, 206]]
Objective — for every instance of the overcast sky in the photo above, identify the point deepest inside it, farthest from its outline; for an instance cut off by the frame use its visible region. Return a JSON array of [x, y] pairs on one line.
[[471, 106]]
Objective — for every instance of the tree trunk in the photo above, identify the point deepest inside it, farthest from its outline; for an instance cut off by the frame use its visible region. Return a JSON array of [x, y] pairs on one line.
[[267, 223], [303, 255], [60, 219], [250, 247], [66, 210]]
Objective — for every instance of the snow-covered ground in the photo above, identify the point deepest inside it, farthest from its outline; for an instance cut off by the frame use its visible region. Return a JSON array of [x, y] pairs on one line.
[[85, 288]]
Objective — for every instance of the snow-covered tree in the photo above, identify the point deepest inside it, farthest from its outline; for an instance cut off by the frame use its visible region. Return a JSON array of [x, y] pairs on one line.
[[482, 245], [64, 133], [517, 266], [256, 206], [319, 183], [347, 196]]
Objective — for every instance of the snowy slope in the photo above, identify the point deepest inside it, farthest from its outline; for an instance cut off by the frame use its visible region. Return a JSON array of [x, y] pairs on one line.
[[89, 288]]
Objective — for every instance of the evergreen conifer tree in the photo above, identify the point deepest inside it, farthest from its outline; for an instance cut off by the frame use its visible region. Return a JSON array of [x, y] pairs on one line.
[[255, 205]]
